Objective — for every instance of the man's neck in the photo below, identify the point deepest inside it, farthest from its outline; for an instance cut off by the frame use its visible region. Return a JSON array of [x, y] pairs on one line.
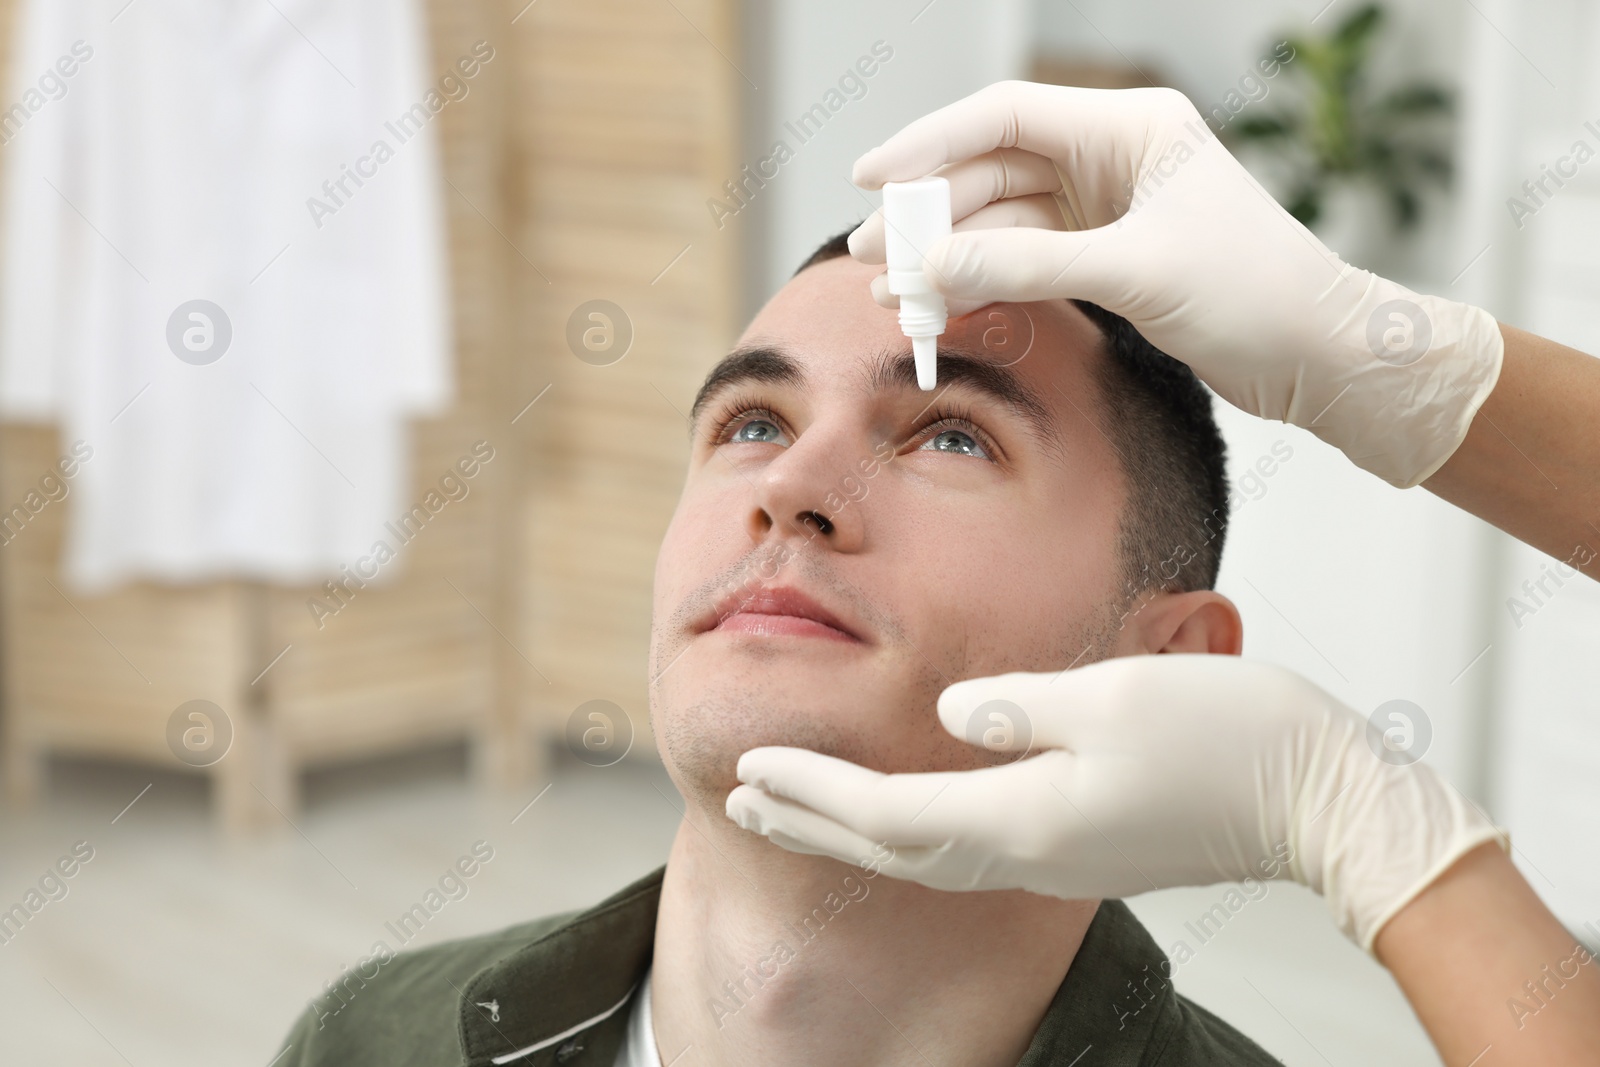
[[766, 957]]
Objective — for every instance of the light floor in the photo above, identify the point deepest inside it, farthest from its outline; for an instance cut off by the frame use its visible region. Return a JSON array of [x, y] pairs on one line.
[[176, 948]]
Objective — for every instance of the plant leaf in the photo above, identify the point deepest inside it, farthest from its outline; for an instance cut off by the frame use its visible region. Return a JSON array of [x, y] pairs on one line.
[[1416, 100], [1355, 32], [1407, 207], [1306, 205], [1336, 129], [1266, 127], [1433, 163]]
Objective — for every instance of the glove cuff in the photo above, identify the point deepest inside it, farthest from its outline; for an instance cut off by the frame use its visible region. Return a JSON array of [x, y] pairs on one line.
[[1418, 368], [1392, 836], [1374, 925]]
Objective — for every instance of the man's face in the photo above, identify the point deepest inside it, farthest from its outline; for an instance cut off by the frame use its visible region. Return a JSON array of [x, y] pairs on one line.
[[964, 532]]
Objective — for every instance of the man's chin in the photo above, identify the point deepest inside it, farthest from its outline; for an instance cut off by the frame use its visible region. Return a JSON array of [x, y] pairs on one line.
[[702, 742]]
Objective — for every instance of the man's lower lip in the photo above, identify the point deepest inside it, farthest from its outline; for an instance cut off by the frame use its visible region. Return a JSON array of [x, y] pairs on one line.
[[780, 626]]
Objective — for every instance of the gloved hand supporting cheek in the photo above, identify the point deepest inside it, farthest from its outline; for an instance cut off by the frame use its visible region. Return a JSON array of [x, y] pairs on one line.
[[1154, 771]]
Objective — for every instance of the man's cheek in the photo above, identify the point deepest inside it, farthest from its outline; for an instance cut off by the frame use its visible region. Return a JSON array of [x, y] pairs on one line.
[[701, 521], [666, 561], [676, 571]]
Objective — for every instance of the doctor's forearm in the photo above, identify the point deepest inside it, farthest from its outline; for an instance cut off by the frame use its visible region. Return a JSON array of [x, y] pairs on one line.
[[1492, 975], [1530, 463]]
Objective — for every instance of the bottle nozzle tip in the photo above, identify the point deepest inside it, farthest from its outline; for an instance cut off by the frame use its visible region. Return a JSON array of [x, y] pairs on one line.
[[924, 350]]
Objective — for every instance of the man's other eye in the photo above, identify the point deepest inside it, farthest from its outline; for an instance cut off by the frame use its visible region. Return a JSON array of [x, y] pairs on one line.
[[757, 429], [957, 441]]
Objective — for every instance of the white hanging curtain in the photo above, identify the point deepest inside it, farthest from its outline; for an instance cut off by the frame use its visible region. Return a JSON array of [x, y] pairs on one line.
[[163, 152]]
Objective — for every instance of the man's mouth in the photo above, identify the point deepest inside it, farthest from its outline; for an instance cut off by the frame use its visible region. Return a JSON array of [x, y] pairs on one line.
[[780, 611]]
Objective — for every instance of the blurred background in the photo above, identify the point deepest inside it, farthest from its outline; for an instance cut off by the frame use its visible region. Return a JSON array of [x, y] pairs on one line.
[[345, 348]]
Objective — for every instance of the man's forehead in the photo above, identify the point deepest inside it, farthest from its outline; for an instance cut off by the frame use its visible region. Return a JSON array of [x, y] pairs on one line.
[[828, 310], [824, 329]]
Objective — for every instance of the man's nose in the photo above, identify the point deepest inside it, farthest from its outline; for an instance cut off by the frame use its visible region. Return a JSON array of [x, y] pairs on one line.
[[811, 492]]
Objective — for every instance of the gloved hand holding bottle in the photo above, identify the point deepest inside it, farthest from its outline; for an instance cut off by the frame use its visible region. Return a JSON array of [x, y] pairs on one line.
[[1125, 198]]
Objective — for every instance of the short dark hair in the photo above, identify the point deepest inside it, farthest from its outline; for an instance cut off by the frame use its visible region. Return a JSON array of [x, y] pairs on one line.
[[1158, 418]]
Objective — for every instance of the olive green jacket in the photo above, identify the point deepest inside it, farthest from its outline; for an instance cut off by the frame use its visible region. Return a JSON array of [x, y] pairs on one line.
[[557, 991]]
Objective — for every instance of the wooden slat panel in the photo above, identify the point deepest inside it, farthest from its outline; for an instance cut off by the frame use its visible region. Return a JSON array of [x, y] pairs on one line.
[[99, 674], [634, 114]]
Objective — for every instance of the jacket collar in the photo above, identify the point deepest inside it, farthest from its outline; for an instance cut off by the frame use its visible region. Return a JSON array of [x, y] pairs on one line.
[[570, 985]]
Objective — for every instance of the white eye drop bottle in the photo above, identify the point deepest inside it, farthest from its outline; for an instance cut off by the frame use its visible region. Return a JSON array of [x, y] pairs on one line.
[[915, 216]]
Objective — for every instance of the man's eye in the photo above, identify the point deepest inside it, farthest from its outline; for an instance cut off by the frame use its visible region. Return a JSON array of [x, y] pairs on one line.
[[957, 441], [758, 430]]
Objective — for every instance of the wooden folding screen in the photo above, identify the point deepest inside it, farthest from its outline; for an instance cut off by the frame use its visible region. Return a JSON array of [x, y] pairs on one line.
[[577, 169]]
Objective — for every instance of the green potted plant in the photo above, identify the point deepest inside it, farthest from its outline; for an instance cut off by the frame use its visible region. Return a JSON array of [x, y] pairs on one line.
[[1344, 147]]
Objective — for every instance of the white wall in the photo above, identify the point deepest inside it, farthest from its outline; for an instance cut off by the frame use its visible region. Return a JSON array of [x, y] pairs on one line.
[[1536, 84], [798, 49]]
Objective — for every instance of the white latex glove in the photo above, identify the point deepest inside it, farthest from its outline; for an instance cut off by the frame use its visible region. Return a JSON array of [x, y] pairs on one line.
[[1156, 771], [1126, 199]]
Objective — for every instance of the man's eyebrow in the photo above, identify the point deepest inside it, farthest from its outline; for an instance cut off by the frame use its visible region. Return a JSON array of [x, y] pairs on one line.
[[959, 365], [759, 363]]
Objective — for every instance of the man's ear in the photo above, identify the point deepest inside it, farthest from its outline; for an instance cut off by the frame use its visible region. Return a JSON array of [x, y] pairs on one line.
[[1200, 621]]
